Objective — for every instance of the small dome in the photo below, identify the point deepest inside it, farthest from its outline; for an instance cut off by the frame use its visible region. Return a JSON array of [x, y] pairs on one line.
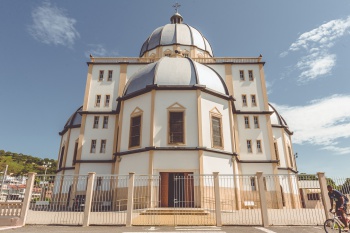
[[73, 121], [276, 118], [176, 33], [175, 71]]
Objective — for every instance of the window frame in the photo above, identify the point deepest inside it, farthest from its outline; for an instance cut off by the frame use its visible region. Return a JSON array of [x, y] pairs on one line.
[[241, 75], [256, 122], [175, 108], [218, 116], [253, 183], [103, 123], [258, 146], [103, 146], [253, 97], [98, 101], [93, 146], [244, 100], [249, 146], [101, 75], [95, 125], [110, 75], [107, 100], [140, 131], [246, 122], [250, 75]]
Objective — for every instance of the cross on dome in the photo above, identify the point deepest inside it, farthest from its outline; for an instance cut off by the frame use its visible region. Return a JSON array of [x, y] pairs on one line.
[[176, 18], [176, 6]]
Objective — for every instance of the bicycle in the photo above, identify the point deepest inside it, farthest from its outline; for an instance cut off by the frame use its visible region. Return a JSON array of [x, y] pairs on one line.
[[334, 224]]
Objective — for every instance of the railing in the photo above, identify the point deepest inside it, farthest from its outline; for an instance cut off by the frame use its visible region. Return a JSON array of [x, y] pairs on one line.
[[234, 60], [10, 208], [255, 199]]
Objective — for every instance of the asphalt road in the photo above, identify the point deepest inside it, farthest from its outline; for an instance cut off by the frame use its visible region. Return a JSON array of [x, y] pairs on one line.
[[180, 229]]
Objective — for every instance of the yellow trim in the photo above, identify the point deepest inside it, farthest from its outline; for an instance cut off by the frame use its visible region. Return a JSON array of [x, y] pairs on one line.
[[80, 144], [66, 151], [120, 125], [263, 87], [87, 88], [228, 78], [122, 78], [270, 135], [115, 167], [285, 151], [237, 141], [151, 139], [199, 118]]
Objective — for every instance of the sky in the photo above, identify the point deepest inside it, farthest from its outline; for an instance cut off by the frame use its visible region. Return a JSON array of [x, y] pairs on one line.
[[45, 45]]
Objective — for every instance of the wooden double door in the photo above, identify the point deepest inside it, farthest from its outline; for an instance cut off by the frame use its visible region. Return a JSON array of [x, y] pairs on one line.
[[177, 189]]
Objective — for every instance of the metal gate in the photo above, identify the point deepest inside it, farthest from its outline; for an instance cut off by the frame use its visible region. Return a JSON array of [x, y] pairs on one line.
[[193, 199]]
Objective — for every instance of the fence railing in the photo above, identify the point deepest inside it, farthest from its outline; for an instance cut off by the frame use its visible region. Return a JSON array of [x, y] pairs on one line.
[[176, 199]]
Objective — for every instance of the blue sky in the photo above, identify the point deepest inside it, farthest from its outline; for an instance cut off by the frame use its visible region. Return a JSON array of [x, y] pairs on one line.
[[306, 45]]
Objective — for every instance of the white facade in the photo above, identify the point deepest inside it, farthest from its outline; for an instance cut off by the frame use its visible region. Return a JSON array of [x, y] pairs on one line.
[[176, 73]]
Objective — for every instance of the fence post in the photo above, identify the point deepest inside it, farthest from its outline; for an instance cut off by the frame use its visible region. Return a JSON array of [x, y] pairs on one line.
[[130, 199], [88, 198], [262, 198], [324, 193], [27, 198], [217, 199]]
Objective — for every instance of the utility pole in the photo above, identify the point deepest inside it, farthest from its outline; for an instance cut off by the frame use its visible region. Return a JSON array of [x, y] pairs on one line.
[[3, 180]]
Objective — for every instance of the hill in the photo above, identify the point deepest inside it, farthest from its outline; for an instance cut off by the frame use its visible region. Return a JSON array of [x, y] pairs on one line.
[[20, 164]]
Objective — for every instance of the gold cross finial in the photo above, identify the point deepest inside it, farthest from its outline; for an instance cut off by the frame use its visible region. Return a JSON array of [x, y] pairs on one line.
[[176, 6]]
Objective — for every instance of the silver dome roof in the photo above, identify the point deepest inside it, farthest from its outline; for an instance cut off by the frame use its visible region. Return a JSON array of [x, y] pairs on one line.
[[175, 71], [176, 33], [74, 121], [276, 118]]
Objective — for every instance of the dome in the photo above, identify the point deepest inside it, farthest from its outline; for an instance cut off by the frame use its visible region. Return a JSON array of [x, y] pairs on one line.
[[276, 118], [176, 71], [176, 33], [74, 121]]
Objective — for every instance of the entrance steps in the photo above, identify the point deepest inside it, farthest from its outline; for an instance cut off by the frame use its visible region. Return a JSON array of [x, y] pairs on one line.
[[175, 211], [174, 217]]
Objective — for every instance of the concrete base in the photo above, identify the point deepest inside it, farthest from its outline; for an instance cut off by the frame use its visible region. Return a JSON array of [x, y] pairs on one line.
[[9, 221]]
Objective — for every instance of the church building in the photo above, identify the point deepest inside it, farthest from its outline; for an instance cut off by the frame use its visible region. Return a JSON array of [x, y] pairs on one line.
[[176, 109]]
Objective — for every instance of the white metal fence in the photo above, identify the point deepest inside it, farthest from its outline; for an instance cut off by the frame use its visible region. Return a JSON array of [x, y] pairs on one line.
[[177, 199]]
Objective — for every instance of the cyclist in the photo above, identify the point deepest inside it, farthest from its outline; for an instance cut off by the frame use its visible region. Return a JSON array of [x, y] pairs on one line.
[[340, 204]]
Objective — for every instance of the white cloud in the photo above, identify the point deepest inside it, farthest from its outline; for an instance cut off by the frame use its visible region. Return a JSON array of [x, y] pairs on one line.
[[315, 65], [51, 25], [322, 122], [99, 50], [316, 43]]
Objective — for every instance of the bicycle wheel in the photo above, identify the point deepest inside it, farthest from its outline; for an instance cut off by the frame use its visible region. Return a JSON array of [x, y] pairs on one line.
[[331, 226]]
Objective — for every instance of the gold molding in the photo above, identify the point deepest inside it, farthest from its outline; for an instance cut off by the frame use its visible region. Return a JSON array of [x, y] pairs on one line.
[[263, 86], [122, 78], [228, 78], [87, 87]]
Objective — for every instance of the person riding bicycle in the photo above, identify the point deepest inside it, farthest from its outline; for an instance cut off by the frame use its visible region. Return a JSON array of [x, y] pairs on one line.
[[340, 204]]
